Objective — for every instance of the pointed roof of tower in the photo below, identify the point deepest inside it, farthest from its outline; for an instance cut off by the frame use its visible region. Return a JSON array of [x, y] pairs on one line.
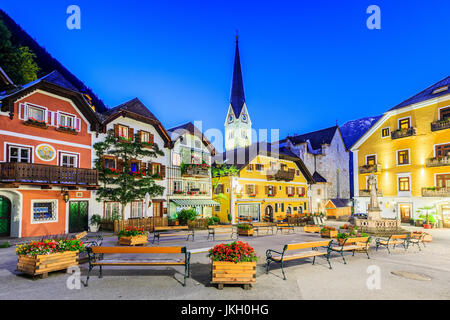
[[237, 88]]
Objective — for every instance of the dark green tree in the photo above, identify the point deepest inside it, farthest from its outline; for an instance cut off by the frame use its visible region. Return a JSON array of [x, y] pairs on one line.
[[17, 61], [122, 185]]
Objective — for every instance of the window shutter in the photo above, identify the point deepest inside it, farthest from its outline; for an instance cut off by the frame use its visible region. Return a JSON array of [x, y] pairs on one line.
[[151, 138], [274, 190], [116, 130], [22, 111], [287, 190], [266, 190], [78, 124], [139, 136], [256, 189], [120, 164], [163, 171], [276, 207], [131, 133]]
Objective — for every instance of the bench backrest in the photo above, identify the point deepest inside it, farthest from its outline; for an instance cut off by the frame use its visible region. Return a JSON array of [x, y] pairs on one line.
[[221, 226], [171, 228], [357, 240], [138, 249], [307, 245], [80, 235], [262, 224], [399, 236], [283, 225]]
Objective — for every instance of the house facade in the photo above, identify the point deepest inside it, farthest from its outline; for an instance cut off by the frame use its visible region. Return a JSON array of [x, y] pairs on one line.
[[46, 177], [189, 171], [408, 151], [326, 157], [129, 121], [270, 184]]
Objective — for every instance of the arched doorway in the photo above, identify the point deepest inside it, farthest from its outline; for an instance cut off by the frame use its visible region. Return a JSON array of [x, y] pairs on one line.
[[268, 213], [5, 216]]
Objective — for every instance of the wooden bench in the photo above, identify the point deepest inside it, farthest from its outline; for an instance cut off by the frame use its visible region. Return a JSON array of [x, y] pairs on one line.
[[292, 252], [222, 229], [358, 244], [312, 229], [96, 258], [394, 240], [258, 226], [285, 226], [417, 240], [172, 231]]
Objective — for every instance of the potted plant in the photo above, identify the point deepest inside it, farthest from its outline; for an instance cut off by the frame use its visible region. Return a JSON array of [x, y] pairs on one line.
[[341, 237], [186, 215], [328, 232], [412, 222], [233, 263], [245, 229], [95, 220], [131, 236], [41, 257], [173, 220]]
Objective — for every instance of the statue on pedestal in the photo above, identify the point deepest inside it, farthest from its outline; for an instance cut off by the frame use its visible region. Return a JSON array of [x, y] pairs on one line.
[[374, 208]]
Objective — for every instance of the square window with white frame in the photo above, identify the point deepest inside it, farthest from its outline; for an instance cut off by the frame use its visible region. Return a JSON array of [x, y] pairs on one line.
[[19, 154], [66, 121], [112, 210], [137, 209], [68, 160], [36, 113], [44, 211]]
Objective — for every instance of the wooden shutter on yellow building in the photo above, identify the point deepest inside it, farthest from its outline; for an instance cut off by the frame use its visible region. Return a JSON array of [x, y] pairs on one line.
[[116, 130]]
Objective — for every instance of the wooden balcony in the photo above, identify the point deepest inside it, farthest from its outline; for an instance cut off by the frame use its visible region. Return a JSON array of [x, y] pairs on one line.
[[369, 168], [196, 172], [435, 192], [438, 162], [14, 173], [285, 175], [403, 133], [440, 125], [366, 193]]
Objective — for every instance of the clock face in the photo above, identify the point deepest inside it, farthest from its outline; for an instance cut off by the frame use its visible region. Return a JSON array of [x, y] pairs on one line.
[[244, 118], [230, 118]]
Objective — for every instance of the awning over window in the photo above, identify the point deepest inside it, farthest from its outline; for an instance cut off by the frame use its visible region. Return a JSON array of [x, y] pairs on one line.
[[195, 203]]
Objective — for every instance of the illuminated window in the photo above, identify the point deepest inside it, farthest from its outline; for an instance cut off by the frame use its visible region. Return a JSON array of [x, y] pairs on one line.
[[385, 132], [371, 160], [403, 157], [445, 114], [404, 124], [403, 184]]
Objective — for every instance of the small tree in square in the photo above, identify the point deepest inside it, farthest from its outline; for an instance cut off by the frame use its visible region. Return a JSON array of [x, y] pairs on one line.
[[124, 184]]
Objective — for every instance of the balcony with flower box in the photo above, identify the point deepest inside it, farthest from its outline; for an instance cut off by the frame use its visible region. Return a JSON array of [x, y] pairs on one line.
[[438, 162], [436, 192], [285, 175], [195, 170], [32, 122], [440, 125], [13, 174], [366, 193], [374, 168], [403, 133]]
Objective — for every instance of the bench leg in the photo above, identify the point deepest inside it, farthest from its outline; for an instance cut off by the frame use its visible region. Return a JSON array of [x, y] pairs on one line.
[[367, 253], [314, 260], [329, 263], [89, 273], [101, 273], [389, 251], [282, 270], [267, 265], [342, 255]]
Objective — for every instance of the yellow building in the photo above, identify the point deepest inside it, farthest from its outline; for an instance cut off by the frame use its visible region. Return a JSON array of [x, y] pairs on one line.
[[408, 150], [270, 184]]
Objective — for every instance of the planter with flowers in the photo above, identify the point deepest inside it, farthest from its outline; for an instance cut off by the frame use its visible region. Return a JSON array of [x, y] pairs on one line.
[[328, 232], [36, 123], [67, 129], [132, 236], [233, 263], [38, 258], [245, 229]]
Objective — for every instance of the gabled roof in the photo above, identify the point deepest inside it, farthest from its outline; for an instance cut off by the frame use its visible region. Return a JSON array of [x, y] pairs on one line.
[[241, 157], [56, 84], [237, 99], [340, 203], [316, 138], [426, 94], [135, 109], [318, 178], [178, 131]]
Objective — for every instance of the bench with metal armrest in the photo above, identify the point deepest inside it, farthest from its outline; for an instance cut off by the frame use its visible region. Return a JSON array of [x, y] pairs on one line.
[[294, 251], [222, 229], [285, 226], [260, 226], [358, 244], [394, 240], [172, 232], [96, 258], [417, 239]]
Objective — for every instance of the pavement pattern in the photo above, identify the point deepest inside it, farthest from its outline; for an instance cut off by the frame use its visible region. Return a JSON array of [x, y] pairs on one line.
[[381, 277]]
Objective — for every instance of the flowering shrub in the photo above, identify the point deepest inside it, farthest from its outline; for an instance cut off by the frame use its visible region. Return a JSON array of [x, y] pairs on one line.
[[237, 251], [245, 226], [326, 229], [50, 246], [131, 231], [112, 171]]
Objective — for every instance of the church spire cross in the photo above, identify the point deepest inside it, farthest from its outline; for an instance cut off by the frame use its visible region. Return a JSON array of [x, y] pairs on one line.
[[237, 88]]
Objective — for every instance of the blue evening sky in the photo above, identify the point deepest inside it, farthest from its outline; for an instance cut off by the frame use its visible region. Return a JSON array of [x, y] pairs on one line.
[[305, 64]]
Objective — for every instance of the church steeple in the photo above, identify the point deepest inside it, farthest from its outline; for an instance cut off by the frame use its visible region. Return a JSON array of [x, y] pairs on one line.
[[237, 88], [238, 127]]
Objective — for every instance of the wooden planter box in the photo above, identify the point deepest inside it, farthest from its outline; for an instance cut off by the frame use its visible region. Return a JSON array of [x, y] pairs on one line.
[[247, 233], [315, 229], [329, 234], [43, 264], [233, 273], [134, 240]]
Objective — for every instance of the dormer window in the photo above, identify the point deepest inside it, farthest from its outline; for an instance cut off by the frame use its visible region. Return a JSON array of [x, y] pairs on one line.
[[36, 113], [66, 120], [441, 89], [404, 124]]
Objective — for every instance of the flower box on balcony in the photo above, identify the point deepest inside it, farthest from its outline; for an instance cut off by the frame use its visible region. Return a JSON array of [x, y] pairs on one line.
[[68, 130], [440, 125], [290, 195], [402, 133], [36, 123], [253, 195]]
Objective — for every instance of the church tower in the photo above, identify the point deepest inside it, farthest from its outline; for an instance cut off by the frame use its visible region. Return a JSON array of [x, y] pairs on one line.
[[238, 127]]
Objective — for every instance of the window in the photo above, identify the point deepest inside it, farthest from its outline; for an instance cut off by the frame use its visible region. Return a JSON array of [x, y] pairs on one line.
[[19, 154], [283, 167], [123, 131], [249, 210], [442, 150], [273, 166], [404, 123], [109, 162], [183, 140], [259, 167], [176, 159], [197, 144], [111, 209], [280, 188], [270, 190], [290, 191], [443, 180], [156, 168], [66, 120], [301, 191], [44, 210], [250, 167], [403, 157], [68, 160], [219, 189], [403, 184], [137, 209], [217, 208], [444, 114], [36, 113], [177, 186], [386, 132], [135, 166], [297, 173], [251, 189], [371, 160], [319, 192]]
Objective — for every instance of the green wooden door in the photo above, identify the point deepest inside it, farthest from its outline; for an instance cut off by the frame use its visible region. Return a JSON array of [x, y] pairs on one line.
[[78, 216], [5, 216]]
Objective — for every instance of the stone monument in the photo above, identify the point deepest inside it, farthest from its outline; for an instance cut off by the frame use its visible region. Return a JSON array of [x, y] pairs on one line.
[[374, 211]]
